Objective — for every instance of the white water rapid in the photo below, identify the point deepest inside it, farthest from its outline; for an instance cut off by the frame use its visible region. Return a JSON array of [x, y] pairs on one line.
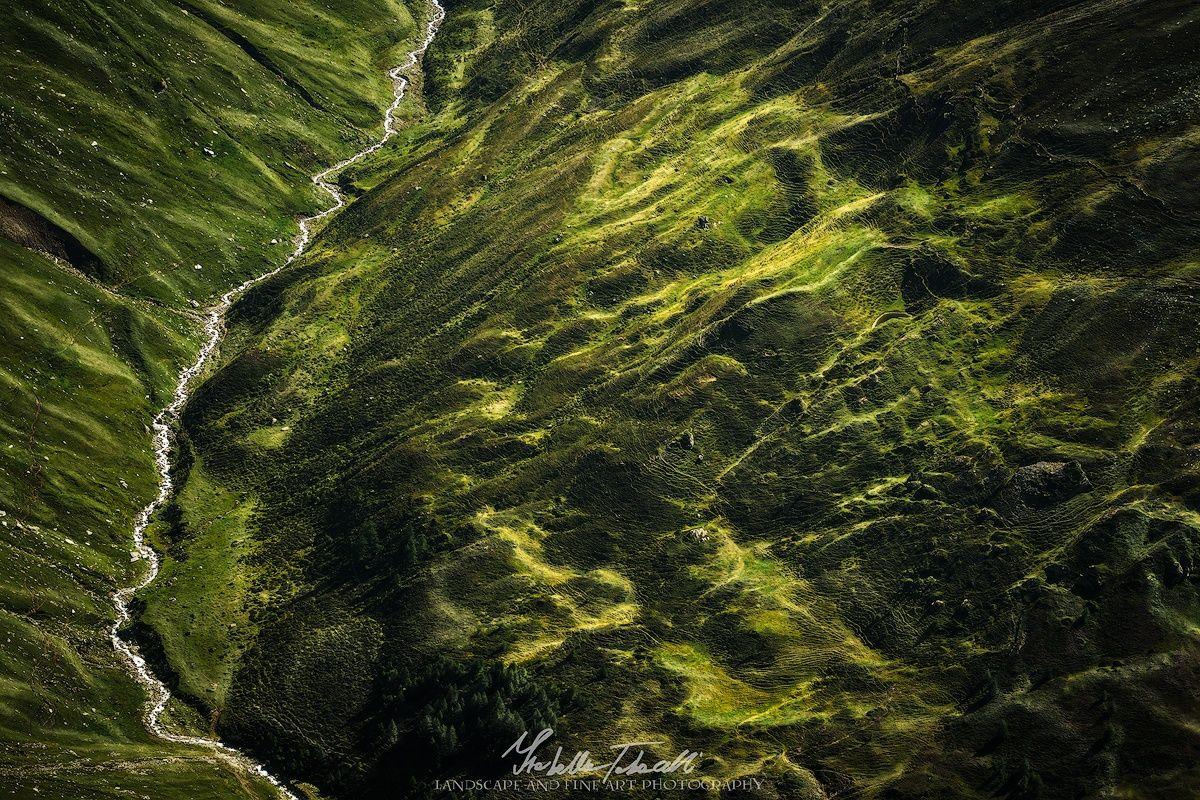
[[214, 327]]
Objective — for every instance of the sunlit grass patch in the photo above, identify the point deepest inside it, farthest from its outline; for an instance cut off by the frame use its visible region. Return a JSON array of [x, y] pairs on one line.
[[199, 607]]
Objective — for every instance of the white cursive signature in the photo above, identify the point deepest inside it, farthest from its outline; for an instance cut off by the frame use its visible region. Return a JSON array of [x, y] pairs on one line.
[[582, 762]]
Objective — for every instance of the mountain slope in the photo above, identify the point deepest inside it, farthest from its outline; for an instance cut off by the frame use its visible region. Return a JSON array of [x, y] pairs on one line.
[[154, 156], [810, 385]]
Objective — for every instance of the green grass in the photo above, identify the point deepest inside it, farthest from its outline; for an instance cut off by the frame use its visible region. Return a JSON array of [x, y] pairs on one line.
[[614, 230], [203, 638], [108, 111], [688, 357], [195, 154]]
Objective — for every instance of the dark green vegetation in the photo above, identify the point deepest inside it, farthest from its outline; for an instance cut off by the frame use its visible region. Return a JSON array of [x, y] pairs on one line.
[[140, 138], [810, 385]]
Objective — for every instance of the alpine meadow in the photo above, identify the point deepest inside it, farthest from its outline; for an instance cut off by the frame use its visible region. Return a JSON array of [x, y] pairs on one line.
[[803, 396]]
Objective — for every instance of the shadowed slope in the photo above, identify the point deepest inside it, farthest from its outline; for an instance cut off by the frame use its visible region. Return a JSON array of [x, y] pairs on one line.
[[807, 386]]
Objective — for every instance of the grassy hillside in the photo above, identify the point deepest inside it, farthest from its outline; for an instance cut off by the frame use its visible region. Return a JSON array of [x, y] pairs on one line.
[[154, 155], [810, 385]]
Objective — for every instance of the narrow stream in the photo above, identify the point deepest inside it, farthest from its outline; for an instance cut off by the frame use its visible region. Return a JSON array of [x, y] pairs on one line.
[[164, 422]]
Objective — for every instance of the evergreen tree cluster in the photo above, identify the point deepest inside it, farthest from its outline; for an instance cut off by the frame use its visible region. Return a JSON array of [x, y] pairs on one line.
[[454, 718], [362, 542]]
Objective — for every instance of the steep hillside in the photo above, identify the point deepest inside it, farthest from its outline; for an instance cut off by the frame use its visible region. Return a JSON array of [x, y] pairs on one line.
[[154, 155], [810, 385]]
